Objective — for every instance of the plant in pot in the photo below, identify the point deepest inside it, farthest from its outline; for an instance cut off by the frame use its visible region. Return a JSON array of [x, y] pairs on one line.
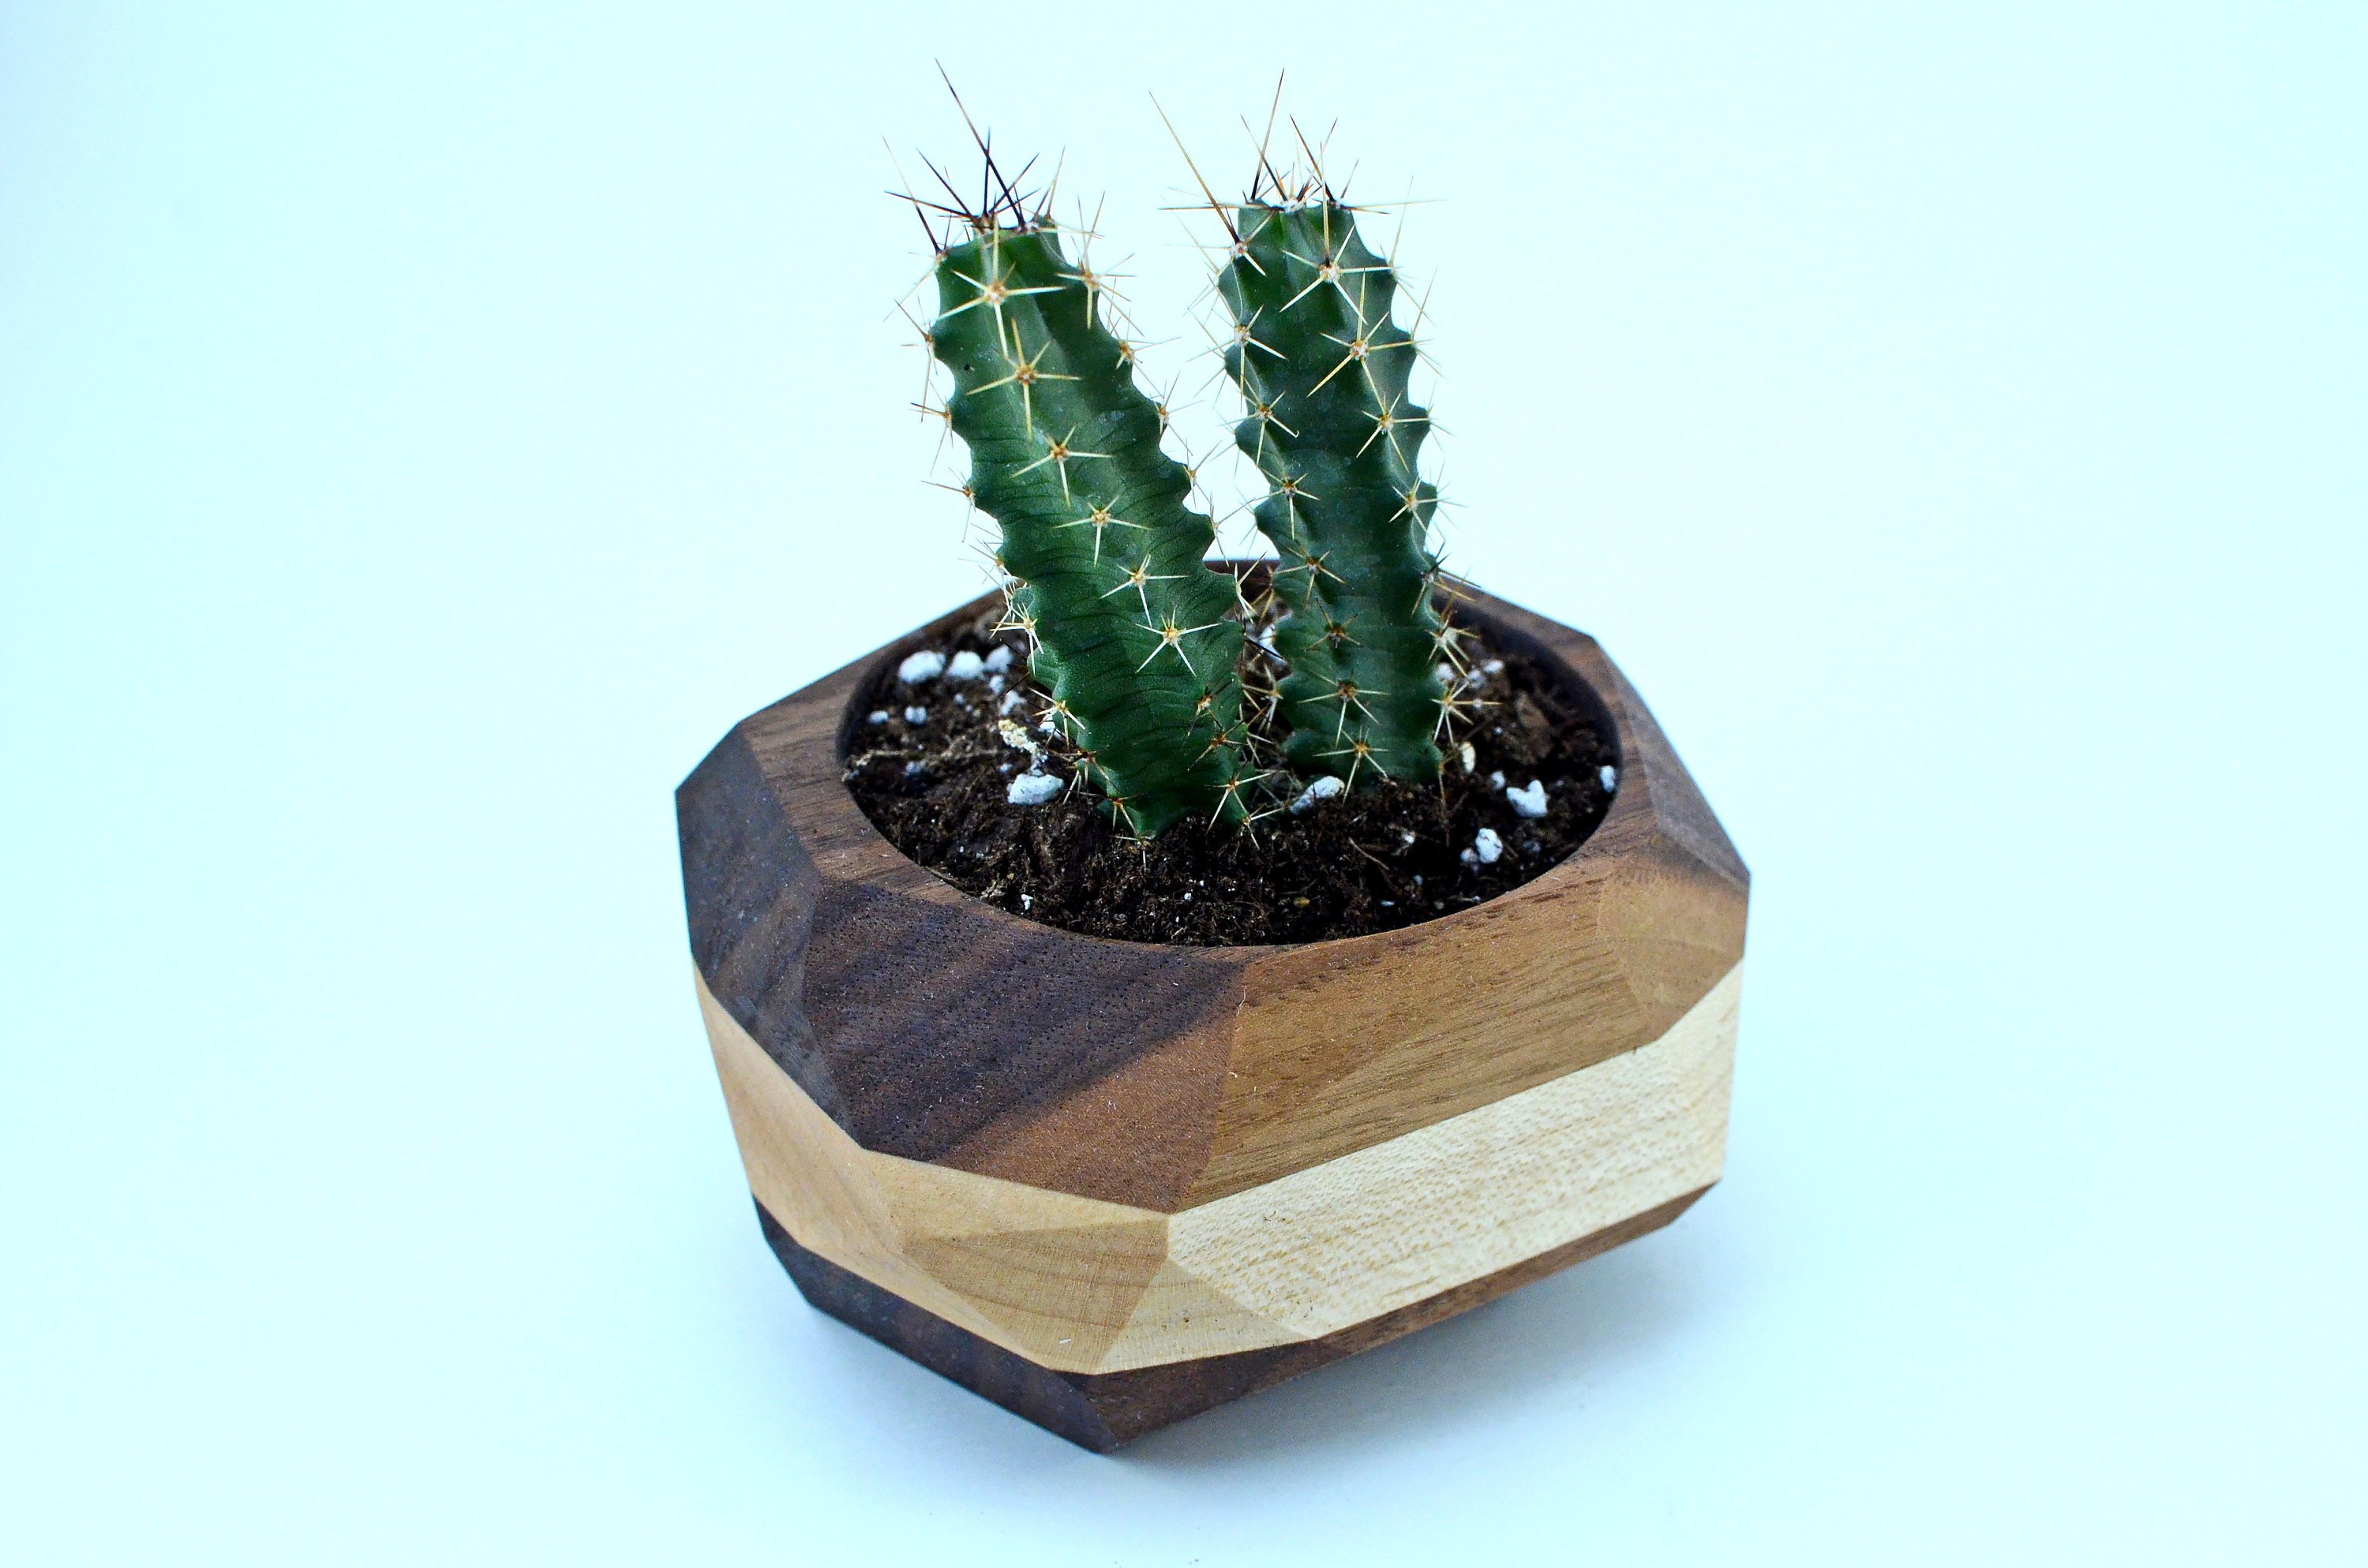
[[1160, 977]]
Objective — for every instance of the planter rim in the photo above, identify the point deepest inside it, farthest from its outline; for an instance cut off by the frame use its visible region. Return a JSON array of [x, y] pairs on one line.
[[1563, 648]]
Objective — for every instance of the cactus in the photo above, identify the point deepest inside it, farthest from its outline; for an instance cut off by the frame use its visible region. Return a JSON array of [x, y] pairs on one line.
[[1323, 370], [1132, 634]]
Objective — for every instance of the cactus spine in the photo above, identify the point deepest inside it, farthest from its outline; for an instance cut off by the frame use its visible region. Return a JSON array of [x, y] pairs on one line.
[[1323, 370], [1131, 633]]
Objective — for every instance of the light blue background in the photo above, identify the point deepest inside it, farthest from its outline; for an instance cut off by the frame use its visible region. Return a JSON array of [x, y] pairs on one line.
[[424, 429]]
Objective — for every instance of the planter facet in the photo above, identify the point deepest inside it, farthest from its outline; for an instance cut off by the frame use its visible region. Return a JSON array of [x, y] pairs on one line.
[[1108, 1185]]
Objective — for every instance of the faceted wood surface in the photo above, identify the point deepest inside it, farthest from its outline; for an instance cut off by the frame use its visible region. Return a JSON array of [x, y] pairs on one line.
[[1016, 1153]]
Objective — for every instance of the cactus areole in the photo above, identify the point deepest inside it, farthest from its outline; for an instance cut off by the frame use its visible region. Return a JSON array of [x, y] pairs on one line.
[[1132, 640]]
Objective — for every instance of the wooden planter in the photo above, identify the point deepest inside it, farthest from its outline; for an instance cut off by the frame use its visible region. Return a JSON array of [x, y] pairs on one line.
[[1108, 1185]]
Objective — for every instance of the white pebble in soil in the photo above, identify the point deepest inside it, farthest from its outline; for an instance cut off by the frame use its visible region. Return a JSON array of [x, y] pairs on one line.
[[1495, 780], [1529, 802], [1609, 777], [998, 660], [927, 665], [1033, 788], [1011, 700], [916, 715], [1487, 845], [1324, 788], [877, 716], [964, 665]]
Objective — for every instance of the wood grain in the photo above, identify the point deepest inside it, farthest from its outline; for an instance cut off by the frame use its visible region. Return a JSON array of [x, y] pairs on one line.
[[1397, 1221], [1081, 1285]]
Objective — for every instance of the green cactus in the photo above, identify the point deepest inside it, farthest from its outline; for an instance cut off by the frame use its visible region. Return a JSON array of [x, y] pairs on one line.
[[1133, 635], [1323, 373]]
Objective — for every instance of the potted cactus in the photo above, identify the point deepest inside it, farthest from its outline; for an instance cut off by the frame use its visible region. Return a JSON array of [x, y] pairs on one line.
[[1160, 977]]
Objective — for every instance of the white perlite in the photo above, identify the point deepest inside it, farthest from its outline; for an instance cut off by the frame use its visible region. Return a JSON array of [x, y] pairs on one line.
[[1011, 700], [1015, 735], [999, 660], [1033, 788], [1467, 755], [1487, 845], [1529, 802], [964, 665], [877, 716], [927, 665], [1609, 776], [916, 715], [1324, 788]]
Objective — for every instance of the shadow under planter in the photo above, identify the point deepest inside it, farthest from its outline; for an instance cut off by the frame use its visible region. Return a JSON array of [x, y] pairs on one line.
[[1110, 1184]]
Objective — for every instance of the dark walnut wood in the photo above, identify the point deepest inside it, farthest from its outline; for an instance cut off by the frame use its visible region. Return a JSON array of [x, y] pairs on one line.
[[1064, 1145], [1109, 1410]]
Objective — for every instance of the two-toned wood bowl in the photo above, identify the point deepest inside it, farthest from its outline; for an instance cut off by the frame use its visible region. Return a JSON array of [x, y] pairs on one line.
[[1108, 1185]]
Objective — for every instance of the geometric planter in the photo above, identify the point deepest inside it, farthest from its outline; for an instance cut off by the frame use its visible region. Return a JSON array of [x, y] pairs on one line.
[[1108, 1185]]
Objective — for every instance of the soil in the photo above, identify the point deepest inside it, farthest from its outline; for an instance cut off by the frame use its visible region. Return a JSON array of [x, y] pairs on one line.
[[1373, 859]]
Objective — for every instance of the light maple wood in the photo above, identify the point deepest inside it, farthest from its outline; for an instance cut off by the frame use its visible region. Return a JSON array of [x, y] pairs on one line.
[[1082, 1285]]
